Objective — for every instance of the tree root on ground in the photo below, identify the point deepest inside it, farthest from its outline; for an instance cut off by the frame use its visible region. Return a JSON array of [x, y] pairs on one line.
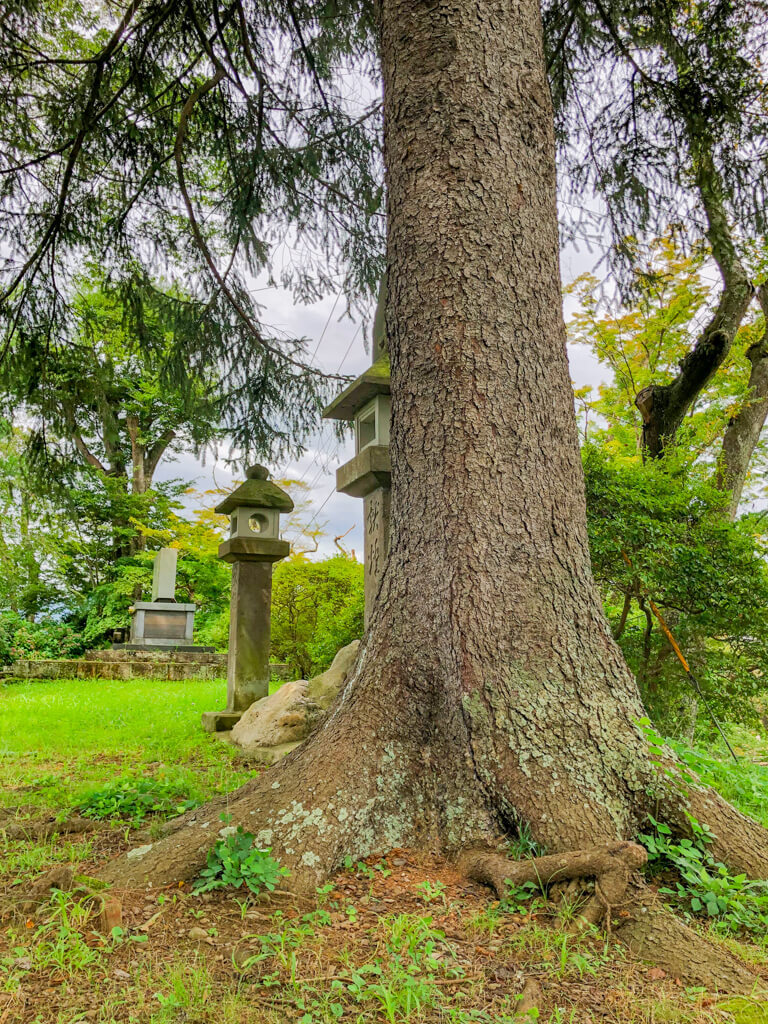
[[35, 831], [610, 866], [645, 925]]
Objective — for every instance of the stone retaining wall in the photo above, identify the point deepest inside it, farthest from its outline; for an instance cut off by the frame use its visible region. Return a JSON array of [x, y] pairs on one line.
[[137, 666]]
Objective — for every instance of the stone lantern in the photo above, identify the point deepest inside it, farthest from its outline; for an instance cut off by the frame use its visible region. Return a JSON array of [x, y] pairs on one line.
[[252, 547], [367, 404]]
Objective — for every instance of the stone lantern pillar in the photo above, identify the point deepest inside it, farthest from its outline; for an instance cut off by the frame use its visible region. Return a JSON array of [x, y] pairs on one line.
[[252, 547], [367, 404]]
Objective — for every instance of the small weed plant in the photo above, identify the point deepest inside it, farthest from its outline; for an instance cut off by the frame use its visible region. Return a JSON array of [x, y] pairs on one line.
[[59, 942], [517, 899], [523, 846], [132, 798], [432, 891], [234, 861], [363, 870], [705, 887]]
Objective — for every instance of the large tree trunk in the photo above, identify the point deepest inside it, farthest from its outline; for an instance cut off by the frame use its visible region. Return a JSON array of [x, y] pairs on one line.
[[488, 689]]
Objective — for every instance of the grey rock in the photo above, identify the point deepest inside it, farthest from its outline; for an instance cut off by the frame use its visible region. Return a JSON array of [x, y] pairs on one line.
[[276, 724]]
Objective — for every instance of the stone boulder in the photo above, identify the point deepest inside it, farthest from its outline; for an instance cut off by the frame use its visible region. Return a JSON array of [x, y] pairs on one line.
[[274, 725], [323, 688]]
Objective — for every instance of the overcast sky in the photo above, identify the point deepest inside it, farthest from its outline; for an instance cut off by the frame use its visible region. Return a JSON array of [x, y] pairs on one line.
[[340, 346]]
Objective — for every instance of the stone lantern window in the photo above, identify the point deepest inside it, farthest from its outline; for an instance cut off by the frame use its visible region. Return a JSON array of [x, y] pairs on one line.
[[248, 521], [372, 423]]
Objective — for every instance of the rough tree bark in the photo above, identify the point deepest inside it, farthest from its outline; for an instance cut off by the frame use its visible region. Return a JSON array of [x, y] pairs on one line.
[[743, 431], [488, 689]]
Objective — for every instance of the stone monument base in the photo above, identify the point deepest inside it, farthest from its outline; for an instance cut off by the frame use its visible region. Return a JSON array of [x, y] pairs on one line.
[[220, 721], [162, 624], [165, 649]]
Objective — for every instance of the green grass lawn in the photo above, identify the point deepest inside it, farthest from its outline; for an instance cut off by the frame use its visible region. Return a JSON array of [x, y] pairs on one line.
[[59, 739], [404, 942]]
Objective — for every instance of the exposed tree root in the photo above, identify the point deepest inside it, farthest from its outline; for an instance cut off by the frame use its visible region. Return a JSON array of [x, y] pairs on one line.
[[61, 877], [654, 933], [645, 926], [610, 866], [39, 830]]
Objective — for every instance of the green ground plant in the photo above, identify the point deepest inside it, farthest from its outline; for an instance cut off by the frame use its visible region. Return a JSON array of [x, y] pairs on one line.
[[744, 783], [233, 861], [705, 887], [59, 943], [133, 797]]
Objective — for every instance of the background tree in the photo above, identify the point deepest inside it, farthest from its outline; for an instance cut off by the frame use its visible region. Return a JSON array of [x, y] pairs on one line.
[[645, 340], [190, 142], [708, 577], [29, 534], [662, 112], [667, 515], [317, 608], [95, 399]]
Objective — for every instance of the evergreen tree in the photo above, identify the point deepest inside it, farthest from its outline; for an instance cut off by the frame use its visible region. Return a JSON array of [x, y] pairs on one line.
[[488, 689]]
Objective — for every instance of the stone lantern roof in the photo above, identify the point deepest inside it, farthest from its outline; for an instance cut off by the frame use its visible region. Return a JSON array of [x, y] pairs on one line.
[[256, 492], [375, 381]]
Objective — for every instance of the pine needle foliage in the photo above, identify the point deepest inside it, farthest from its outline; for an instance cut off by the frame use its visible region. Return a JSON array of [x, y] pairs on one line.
[[662, 111], [218, 144]]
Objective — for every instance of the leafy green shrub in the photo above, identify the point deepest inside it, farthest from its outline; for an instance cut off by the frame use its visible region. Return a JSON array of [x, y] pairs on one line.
[[317, 608], [705, 887], [707, 575], [235, 861], [134, 797], [22, 639]]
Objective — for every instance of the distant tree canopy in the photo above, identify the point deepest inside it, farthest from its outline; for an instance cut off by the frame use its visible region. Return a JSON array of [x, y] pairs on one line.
[[643, 343], [94, 395], [658, 534], [663, 115]]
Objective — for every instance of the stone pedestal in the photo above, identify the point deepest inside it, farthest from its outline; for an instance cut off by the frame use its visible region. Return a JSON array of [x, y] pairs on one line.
[[250, 620], [249, 633], [376, 506], [162, 624], [368, 476]]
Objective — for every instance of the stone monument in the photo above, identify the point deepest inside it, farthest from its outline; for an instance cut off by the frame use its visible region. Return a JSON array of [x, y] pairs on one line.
[[367, 404], [162, 622], [253, 546]]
